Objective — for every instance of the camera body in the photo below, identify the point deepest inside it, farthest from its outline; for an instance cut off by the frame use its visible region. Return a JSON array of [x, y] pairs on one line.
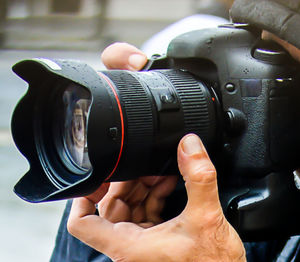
[[252, 111], [257, 86]]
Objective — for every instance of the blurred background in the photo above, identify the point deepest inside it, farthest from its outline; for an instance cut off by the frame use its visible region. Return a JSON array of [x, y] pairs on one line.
[[62, 29]]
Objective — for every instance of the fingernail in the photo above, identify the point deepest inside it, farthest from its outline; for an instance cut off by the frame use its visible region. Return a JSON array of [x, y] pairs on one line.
[[137, 61], [191, 144]]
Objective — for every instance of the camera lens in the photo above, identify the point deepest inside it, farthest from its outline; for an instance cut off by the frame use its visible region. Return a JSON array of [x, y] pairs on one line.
[[89, 127], [75, 106]]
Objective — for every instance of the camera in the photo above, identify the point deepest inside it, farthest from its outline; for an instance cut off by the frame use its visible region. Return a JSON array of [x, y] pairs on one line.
[[79, 128]]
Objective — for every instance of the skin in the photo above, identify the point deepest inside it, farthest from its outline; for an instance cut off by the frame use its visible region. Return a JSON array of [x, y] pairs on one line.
[[294, 51], [228, 3], [129, 227]]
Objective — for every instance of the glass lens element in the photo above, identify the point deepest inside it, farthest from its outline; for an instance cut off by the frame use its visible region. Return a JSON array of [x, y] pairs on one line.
[[77, 103]]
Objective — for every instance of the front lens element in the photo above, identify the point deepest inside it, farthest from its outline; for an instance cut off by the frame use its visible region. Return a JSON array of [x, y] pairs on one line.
[[76, 105]]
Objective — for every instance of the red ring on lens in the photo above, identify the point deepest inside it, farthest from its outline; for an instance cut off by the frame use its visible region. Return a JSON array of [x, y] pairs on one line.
[[122, 121]]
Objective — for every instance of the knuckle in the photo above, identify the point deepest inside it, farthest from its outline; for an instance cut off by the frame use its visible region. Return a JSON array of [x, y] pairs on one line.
[[215, 221], [204, 172], [72, 226]]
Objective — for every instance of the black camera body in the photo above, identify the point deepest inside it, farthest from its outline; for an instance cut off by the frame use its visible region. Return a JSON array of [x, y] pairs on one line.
[[257, 85], [238, 93]]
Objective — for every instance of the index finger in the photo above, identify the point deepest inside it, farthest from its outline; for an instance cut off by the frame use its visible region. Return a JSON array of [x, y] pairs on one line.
[[123, 56], [97, 232], [99, 193]]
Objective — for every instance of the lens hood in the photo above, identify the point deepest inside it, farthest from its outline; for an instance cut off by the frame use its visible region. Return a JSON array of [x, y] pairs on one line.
[[48, 178]]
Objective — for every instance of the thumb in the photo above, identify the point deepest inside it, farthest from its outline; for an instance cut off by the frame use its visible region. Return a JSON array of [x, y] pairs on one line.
[[200, 179]]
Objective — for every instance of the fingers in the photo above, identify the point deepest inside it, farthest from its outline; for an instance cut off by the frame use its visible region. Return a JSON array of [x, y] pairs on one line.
[[156, 200], [123, 56], [112, 206], [124, 202], [137, 200], [201, 181], [294, 51], [82, 207], [96, 196], [98, 232], [84, 224]]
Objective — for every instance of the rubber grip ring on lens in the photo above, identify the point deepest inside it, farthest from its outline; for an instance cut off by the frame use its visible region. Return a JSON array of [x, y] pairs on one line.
[[136, 105]]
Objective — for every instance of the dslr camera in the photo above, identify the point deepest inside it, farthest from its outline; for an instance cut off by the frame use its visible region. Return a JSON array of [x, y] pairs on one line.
[[79, 128]]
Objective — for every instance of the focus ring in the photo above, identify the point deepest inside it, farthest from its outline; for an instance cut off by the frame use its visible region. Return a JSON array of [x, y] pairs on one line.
[[136, 104], [193, 100]]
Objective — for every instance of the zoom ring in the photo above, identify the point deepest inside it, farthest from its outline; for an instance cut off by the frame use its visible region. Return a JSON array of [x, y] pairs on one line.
[[136, 104], [193, 101]]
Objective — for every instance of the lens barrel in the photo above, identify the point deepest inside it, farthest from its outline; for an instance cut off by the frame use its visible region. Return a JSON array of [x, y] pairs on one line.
[[158, 108], [83, 127]]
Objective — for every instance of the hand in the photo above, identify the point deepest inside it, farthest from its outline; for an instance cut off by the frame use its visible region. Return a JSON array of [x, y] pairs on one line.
[[294, 51], [128, 228], [199, 233]]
